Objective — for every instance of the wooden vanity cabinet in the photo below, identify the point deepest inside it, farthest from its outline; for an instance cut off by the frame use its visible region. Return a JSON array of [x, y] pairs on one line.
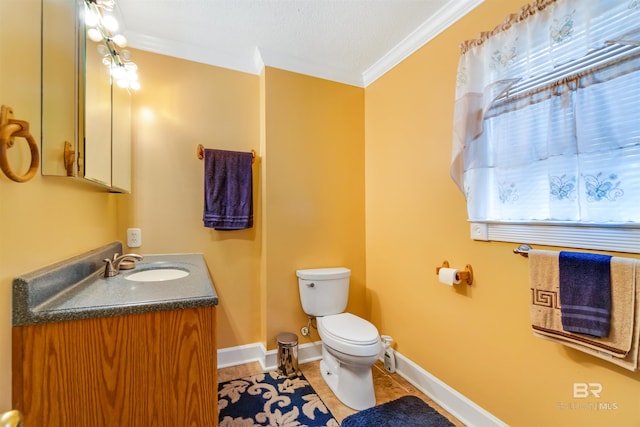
[[149, 369]]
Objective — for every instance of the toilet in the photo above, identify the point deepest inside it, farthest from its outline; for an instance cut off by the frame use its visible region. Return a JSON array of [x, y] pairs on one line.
[[350, 344]]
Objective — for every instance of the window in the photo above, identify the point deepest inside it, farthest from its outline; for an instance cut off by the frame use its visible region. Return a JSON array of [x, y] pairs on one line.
[[547, 133]]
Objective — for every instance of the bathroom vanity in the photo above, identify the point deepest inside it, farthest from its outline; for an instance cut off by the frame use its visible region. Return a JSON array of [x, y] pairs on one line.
[[117, 351]]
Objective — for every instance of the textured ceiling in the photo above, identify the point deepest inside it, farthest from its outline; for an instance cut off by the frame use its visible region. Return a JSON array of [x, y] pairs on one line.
[[349, 41]]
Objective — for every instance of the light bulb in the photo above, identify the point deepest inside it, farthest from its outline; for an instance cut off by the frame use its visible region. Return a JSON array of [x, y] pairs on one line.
[[134, 85], [125, 54], [102, 50], [107, 4], [110, 23], [90, 18], [132, 75], [120, 40], [94, 35], [123, 83], [118, 72]]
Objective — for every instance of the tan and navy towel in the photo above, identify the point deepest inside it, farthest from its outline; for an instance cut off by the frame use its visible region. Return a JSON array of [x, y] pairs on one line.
[[621, 345]]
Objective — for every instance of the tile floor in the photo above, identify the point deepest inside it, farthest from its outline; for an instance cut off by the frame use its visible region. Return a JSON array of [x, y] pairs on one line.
[[387, 387]]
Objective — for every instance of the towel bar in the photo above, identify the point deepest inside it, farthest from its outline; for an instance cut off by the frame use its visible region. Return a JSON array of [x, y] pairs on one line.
[[200, 153], [523, 250]]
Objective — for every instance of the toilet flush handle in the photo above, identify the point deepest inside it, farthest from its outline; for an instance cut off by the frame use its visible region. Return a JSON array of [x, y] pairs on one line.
[[311, 285]]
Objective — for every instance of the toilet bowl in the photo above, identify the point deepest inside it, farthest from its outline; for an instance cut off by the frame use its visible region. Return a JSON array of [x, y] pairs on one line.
[[350, 344]]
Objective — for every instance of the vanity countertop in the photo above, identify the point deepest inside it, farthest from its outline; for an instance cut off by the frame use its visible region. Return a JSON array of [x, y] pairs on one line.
[[76, 289]]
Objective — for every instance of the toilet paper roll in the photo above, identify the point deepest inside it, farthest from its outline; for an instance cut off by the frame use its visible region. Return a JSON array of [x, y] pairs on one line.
[[448, 276]]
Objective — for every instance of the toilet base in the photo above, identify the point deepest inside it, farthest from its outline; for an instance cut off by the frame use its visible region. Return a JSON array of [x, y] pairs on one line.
[[351, 383]]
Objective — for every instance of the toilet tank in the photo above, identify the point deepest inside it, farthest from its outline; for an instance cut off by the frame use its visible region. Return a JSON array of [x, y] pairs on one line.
[[324, 291]]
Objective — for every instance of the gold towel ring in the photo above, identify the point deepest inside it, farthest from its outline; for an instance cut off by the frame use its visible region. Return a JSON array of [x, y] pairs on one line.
[[9, 129]]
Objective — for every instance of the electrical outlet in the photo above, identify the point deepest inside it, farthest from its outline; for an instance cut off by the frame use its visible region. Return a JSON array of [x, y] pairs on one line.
[[134, 237]]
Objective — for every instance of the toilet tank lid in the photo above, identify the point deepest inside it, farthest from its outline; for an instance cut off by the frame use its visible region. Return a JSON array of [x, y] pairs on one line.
[[324, 273]]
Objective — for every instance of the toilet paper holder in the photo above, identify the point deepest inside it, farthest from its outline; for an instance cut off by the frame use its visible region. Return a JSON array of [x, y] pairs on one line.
[[465, 276]]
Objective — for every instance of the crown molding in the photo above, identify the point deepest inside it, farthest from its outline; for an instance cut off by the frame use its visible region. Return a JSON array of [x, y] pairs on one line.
[[281, 61], [244, 61], [442, 20], [253, 61]]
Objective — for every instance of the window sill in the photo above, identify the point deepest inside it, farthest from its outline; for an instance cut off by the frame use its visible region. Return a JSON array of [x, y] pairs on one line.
[[615, 238]]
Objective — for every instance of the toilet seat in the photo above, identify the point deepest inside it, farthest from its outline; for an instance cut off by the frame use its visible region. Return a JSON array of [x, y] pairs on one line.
[[349, 334]]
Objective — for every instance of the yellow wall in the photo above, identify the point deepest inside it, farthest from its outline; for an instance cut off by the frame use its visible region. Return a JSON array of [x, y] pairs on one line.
[[314, 197], [183, 104], [46, 219], [308, 179], [477, 339]]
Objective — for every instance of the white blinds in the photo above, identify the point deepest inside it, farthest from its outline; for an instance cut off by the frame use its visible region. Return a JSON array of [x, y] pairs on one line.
[[527, 149]]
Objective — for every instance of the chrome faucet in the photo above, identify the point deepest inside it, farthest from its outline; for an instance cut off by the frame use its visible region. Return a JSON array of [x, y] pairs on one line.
[[112, 266]]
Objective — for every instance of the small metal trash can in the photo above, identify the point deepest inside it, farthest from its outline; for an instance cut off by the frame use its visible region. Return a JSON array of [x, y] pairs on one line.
[[287, 354]]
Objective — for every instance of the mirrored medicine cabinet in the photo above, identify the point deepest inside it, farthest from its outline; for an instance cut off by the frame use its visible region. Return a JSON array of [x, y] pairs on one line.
[[86, 120]]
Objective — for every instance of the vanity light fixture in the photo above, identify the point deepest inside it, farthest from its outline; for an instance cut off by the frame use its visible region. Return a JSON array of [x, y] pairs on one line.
[[101, 28]]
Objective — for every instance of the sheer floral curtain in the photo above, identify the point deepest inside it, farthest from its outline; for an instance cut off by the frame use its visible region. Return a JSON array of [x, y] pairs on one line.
[[547, 115]]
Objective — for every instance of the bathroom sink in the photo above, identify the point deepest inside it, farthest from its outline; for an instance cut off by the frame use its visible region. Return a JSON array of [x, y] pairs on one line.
[[157, 275], [76, 289]]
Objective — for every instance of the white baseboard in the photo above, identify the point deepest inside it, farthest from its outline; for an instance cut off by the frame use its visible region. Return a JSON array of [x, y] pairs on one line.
[[242, 354], [453, 402], [233, 356]]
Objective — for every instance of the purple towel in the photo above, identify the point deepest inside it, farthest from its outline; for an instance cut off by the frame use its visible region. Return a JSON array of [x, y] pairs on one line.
[[585, 293], [228, 190]]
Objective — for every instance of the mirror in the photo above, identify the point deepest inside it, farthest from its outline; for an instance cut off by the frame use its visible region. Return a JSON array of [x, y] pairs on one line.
[[86, 119]]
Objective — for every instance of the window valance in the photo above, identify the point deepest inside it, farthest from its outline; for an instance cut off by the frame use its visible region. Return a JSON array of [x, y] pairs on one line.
[[535, 44], [546, 123]]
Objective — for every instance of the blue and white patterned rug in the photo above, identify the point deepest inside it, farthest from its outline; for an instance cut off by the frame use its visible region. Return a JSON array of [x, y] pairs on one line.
[[269, 399]]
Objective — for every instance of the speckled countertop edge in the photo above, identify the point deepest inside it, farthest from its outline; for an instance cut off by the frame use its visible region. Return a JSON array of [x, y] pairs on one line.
[[94, 312]]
